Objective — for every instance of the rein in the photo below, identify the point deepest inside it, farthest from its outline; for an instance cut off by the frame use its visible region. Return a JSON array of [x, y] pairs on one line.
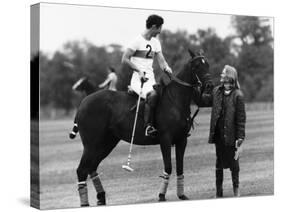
[[177, 80]]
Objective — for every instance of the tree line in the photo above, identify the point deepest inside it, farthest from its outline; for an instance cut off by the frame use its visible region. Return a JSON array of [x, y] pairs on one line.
[[249, 49]]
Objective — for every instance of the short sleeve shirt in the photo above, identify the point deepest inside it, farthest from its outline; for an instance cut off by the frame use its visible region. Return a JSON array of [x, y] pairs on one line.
[[144, 53]]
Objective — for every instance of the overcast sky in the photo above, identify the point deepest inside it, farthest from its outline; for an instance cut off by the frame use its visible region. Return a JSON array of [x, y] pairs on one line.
[[60, 23]]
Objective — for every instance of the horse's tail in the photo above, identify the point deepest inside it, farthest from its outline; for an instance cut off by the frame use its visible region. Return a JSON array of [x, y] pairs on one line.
[[74, 131]]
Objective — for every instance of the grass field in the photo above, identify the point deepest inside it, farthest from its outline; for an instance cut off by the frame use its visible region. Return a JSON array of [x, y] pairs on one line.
[[59, 158]]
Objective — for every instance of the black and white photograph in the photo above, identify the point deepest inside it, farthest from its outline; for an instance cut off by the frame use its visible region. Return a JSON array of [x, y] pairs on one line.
[[132, 105]]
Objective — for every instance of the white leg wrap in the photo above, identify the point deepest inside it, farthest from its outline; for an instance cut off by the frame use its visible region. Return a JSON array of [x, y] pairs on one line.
[[97, 183], [83, 193], [180, 185], [165, 183], [82, 183]]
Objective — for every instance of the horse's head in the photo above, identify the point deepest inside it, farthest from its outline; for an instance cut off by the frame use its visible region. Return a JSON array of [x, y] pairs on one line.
[[84, 85], [199, 68]]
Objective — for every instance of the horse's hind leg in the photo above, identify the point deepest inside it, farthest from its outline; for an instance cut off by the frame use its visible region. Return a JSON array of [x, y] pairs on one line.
[[166, 154], [82, 174], [101, 200], [180, 149], [101, 153]]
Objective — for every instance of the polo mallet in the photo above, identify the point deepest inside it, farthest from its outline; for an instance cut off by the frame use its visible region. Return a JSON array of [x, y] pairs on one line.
[[127, 166]]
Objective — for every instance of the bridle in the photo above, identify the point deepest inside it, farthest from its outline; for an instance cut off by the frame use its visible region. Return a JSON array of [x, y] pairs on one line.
[[198, 84]]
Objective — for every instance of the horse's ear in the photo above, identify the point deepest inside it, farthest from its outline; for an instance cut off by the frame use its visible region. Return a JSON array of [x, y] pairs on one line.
[[191, 53]]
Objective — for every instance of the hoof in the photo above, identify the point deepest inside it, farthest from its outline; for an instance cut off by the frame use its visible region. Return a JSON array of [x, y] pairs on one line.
[[219, 194], [101, 198], [72, 135], [100, 202], [183, 197], [161, 198], [236, 192], [85, 205]]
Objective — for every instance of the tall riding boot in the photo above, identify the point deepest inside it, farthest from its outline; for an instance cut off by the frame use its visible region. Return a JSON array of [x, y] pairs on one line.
[[148, 120], [235, 183], [219, 182], [147, 114]]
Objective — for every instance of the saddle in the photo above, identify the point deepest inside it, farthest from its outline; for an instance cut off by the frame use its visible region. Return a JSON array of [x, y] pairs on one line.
[[157, 87], [132, 93]]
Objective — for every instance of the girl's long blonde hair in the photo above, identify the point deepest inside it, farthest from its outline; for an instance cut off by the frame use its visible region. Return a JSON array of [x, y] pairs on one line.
[[230, 72]]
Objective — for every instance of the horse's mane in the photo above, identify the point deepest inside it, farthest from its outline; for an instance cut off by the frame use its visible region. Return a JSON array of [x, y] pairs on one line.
[[183, 72], [165, 79]]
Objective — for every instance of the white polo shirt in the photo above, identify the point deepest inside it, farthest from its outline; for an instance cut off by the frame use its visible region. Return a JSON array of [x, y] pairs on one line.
[[143, 60]]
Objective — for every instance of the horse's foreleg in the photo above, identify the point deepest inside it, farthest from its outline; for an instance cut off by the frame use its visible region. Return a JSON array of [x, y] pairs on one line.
[[180, 149], [165, 145]]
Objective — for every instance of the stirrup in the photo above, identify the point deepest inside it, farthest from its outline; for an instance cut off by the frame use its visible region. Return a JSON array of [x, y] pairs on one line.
[[150, 131]]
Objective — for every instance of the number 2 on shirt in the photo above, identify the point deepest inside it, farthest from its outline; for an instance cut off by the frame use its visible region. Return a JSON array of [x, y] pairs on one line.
[[149, 51]]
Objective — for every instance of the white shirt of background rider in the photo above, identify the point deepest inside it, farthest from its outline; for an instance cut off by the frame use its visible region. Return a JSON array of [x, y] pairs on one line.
[[110, 81], [143, 60]]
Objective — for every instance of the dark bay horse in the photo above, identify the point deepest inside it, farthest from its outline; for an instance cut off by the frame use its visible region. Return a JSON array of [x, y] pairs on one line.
[[106, 117]]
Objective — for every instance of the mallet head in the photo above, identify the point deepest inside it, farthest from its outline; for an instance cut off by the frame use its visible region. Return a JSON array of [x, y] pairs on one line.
[[127, 168]]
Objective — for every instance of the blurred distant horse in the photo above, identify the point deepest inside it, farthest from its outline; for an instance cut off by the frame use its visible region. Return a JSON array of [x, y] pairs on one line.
[[106, 117], [84, 85]]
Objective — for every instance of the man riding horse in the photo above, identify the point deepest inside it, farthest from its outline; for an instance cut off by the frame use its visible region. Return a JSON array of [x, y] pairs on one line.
[[106, 117], [139, 57]]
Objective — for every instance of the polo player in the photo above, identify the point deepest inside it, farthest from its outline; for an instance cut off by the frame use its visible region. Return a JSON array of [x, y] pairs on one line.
[[139, 57]]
